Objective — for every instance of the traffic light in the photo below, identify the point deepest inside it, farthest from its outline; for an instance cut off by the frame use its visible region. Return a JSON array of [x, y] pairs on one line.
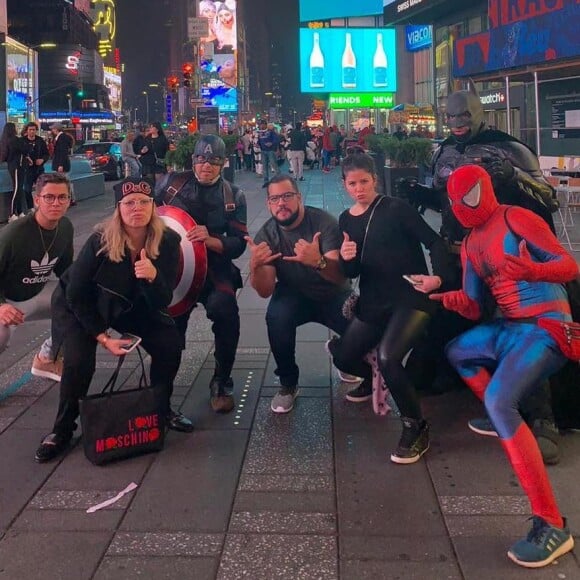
[[187, 70], [80, 90], [172, 83]]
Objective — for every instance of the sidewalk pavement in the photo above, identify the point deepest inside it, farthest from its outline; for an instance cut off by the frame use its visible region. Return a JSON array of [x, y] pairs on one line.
[[253, 495]]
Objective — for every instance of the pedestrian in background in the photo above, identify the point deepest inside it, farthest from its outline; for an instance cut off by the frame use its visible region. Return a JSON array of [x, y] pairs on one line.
[[128, 155], [11, 154], [34, 156]]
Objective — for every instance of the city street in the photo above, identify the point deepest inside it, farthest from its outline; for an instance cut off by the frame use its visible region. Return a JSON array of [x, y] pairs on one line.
[[254, 495]]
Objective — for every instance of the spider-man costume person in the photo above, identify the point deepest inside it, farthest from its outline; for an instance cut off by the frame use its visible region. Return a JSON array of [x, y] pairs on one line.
[[518, 180], [511, 253]]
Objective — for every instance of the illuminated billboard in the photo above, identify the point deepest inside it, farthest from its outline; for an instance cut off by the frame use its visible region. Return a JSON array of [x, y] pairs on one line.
[[218, 50], [221, 19], [324, 9], [526, 37], [113, 83], [349, 60], [19, 79]]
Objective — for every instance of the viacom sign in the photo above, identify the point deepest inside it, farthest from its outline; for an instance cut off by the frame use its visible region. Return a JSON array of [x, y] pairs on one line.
[[496, 98], [418, 37]]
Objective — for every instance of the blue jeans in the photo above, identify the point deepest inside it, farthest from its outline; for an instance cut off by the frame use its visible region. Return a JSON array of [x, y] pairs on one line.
[[288, 309], [134, 167], [269, 162]]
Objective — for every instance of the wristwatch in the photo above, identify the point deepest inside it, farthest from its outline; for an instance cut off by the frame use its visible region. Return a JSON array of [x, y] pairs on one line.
[[322, 263]]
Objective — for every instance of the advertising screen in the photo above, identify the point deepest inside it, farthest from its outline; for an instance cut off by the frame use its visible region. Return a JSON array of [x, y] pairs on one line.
[[350, 60], [525, 38], [19, 79], [218, 63], [324, 9], [113, 84]]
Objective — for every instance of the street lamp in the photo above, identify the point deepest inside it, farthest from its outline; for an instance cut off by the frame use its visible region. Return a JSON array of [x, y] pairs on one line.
[[30, 77], [146, 106]]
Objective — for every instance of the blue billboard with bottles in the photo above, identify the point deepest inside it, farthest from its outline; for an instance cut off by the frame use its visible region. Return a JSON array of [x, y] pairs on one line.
[[335, 60], [324, 9]]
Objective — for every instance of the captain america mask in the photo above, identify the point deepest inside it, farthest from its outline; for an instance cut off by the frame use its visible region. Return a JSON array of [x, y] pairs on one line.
[[471, 195]]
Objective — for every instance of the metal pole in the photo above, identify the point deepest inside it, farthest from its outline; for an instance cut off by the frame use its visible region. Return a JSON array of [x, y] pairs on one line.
[[509, 108], [29, 97], [147, 106], [537, 98]]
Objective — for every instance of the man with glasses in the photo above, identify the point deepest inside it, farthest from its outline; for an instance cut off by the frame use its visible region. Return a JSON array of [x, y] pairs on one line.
[[31, 249], [295, 261], [219, 210]]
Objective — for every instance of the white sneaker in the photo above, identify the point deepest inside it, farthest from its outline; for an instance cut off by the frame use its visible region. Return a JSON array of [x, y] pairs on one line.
[[13, 218], [48, 370], [346, 378], [283, 401]]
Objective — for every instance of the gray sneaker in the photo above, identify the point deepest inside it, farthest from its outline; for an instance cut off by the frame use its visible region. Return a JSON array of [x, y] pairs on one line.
[[283, 401]]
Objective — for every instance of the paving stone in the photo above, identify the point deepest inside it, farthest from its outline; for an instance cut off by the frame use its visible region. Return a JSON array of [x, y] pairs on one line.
[[468, 464], [165, 544], [298, 443], [5, 422], [191, 485], [45, 520], [253, 331], [284, 501], [246, 392], [296, 483], [76, 500], [486, 525], [484, 505], [21, 476], [282, 523], [284, 557], [376, 496], [400, 570], [75, 472], [55, 554], [122, 568], [34, 388], [313, 362], [192, 360]]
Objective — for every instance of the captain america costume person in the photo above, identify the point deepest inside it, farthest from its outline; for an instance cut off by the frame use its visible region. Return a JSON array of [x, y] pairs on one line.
[[511, 253]]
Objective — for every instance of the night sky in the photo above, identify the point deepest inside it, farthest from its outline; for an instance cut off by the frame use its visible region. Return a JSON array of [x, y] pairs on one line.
[[142, 39]]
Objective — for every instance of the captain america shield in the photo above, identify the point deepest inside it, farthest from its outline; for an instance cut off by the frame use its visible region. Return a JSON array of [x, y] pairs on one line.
[[192, 261]]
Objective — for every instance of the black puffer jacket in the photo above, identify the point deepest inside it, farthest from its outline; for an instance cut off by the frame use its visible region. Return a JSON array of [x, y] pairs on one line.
[[98, 292]]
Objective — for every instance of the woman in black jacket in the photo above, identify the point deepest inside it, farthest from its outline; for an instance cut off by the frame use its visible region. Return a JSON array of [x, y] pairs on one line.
[[154, 152], [122, 279], [383, 239], [11, 153]]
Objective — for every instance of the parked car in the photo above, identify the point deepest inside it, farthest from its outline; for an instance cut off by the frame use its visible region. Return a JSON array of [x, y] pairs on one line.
[[104, 156]]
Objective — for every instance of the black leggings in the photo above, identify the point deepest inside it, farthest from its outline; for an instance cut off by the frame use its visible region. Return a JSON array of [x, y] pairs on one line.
[[393, 341]]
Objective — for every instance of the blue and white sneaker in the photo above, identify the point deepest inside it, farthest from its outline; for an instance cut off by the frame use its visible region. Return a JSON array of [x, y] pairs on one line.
[[543, 544]]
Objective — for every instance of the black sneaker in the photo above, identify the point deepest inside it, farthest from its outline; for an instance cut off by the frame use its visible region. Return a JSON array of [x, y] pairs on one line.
[[51, 447], [176, 421], [482, 426], [360, 394], [413, 443]]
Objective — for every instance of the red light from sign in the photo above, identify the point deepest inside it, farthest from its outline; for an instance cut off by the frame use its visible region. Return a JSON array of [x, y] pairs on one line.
[[75, 120], [118, 60]]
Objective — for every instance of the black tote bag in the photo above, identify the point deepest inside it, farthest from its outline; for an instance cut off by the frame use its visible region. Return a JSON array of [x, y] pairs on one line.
[[118, 424]]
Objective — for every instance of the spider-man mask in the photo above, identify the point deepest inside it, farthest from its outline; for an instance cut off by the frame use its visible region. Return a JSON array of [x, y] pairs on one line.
[[471, 195]]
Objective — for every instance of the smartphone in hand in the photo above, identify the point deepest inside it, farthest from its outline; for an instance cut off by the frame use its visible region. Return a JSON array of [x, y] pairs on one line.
[[135, 340], [410, 280]]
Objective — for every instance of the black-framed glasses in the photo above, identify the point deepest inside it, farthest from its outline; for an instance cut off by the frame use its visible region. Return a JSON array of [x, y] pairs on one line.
[[211, 159], [50, 198], [133, 203], [274, 199]]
